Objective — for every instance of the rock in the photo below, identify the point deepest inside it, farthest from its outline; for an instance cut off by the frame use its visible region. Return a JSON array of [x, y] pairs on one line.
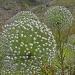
[[8, 8]]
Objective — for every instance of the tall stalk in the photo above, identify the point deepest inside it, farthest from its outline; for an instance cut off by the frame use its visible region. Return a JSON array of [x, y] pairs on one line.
[[60, 48]]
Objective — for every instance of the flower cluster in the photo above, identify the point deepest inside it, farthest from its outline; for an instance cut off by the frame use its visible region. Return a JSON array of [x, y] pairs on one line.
[[59, 17], [28, 44]]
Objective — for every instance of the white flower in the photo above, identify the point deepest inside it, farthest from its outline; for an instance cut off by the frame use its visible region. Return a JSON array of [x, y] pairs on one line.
[[32, 43], [59, 16]]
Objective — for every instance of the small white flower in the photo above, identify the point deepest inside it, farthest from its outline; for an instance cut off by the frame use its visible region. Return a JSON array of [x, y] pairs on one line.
[[21, 35]]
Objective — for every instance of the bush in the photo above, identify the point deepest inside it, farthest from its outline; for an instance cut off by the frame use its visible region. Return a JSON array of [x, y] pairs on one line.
[[59, 17], [28, 45]]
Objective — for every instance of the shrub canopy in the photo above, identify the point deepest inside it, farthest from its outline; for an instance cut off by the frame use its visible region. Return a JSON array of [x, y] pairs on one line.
[[59, 17], [28, 44]]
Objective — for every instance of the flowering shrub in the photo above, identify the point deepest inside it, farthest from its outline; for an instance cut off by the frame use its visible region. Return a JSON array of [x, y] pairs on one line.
[[28, 45], [59, 17]]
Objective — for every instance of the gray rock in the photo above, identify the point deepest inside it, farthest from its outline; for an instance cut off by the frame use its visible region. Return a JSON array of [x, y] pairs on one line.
[[8, 8]]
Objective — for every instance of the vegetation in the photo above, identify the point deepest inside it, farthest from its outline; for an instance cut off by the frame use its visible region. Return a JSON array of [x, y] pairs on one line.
[[59, 19], [29, 47]]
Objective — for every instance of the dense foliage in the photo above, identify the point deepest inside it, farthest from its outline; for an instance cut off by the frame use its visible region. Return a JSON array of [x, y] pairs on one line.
[[58, 17], [28, 45]]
